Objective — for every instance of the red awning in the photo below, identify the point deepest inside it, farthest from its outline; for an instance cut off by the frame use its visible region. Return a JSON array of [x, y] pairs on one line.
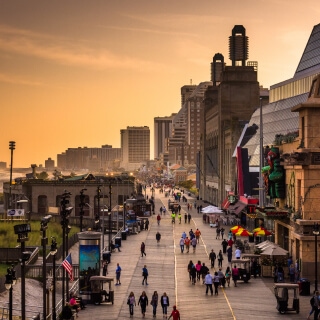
[[240, 207], [237, 207], [225, 204]]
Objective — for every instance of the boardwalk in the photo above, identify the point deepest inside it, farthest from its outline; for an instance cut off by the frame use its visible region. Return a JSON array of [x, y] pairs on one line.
[[168, 273]]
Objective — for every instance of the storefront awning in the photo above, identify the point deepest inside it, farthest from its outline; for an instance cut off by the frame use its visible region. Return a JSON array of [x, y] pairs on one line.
[[225, 204], [237, 207]]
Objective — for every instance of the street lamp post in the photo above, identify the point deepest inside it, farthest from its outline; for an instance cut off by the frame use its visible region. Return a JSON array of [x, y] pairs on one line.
[[261, 162], [22, 231], [110, 216], [97, 214], [316, 233], [44, 242], [53, 252], [11, 280], [65, 211], [82, 204], [12, 145], [105, 209]]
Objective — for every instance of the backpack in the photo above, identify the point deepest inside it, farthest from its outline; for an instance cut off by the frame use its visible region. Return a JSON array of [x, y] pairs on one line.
[[312, 301]]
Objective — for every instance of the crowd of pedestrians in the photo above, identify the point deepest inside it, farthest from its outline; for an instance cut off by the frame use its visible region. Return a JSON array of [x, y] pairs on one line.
[[143, 302]]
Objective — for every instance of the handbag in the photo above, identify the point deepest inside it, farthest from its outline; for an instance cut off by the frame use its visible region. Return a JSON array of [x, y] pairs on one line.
[[128, 301]]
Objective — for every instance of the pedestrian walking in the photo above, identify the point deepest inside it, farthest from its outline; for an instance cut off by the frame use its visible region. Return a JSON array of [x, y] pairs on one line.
[[191, 234], [164, 304], [158, 219], [143, 302], [235, 275], [185, 217], [212, 257], [292, 272], [222, 233], [105, 268], [187, 244], [189, 217], [220, 259], [181, 242], [230, 242], [179, 217], [175, 314], [229, 254], [208, 282], [161, 209], [143, 249], [183, 235], [197, 234], [146, 225], [224, 244], [217, 233], [222, 278], [118, 274], [204, 270], [131, 303], [145, 274], [237, 253], [228, 276], [193, 273], [216, 282], [158, 237], [194, 244], [198, 268], [154, 303], [190, 265]]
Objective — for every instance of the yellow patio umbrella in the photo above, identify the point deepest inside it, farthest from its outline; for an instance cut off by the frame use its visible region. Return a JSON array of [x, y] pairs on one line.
[[244, 233], [235, 229], [263, 232]]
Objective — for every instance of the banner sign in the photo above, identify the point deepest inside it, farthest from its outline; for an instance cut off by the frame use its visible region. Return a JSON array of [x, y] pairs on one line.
[[15, 212]]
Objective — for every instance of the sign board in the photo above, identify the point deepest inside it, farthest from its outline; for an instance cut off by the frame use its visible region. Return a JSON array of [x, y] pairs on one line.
[[15, 212], [54, 210]]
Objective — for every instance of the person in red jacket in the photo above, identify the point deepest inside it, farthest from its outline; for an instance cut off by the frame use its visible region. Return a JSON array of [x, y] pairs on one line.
[[175, 314]]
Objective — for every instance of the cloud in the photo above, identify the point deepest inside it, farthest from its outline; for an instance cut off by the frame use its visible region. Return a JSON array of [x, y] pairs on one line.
[[64, 51], [17, 80]]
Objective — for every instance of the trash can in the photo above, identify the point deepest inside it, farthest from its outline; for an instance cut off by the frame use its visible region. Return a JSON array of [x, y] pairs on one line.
[[304, 287], [117, 241], [106, 256], [124, 235]]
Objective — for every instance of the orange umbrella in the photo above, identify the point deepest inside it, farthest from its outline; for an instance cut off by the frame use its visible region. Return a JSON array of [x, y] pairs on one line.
[[244, 233], [263, 232], [235, 229]]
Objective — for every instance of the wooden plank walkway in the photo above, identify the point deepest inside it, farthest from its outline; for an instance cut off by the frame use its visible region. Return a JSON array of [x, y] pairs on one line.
[[168, 273]]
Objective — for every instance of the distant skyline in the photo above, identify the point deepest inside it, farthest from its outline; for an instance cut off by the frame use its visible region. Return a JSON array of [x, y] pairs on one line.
[[74, 73]]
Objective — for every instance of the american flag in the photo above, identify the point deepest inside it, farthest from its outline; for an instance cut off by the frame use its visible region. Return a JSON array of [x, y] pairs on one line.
[[67, 264]]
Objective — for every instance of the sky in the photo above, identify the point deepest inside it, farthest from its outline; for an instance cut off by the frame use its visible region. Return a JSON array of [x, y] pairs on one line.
[[74, 73]]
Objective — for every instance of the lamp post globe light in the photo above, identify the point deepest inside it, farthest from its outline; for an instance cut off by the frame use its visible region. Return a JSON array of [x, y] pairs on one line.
[[82, 204], [44, 241], [22, 231], [12, 146], [53, 252], [110, 216], [11, 280], [316, 233], [65, 211]]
